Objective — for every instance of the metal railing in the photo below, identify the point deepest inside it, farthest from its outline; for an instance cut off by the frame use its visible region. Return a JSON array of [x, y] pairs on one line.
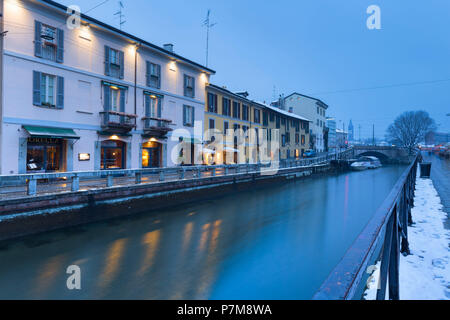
[[128, 177], [384, 237], [156, 123], [117, 119]]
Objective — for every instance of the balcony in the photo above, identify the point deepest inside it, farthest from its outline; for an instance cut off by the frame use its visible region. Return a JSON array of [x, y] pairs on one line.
[[117, 122], [156, 127]]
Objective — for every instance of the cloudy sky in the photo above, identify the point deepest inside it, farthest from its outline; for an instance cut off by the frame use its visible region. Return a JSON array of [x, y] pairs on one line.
[[315, 47]]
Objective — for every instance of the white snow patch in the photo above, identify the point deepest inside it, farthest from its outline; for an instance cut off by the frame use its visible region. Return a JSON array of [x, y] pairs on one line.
[[425, 274]]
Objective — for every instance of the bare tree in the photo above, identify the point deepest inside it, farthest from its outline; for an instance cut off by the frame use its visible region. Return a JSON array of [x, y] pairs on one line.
[[410, 128]]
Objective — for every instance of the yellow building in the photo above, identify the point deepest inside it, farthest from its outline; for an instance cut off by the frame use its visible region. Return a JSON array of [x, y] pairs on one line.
[[294, 133], [227, 113]]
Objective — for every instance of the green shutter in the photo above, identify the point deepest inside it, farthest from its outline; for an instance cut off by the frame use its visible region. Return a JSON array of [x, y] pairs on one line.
[[122, 64], [193, 115], [107, 61], [122, 100], [107, 98], [37, 39], [158, 67], [60, 93], [148, 73], [60, 48], [36, 88], [184, 115]]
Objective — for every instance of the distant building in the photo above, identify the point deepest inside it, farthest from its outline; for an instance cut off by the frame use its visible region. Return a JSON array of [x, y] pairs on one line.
[[351, 132], [437, 138], [341, 138], [312, 109], [331, 124]]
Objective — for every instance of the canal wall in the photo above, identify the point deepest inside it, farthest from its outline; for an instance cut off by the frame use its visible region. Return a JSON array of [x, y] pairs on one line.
[[42, 213]]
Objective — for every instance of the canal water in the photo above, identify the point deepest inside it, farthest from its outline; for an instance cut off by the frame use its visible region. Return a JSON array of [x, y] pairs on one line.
[[276, 242]]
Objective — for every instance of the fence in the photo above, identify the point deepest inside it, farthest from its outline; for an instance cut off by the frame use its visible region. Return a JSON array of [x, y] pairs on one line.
[[385, 237], [71, 181]]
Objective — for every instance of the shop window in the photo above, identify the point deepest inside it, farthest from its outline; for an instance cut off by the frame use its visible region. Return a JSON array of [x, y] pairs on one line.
[[44, 155], [112, 155]]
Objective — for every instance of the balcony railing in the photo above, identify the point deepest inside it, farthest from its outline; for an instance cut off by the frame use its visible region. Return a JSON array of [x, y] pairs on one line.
[[156, 126], [118, 122]]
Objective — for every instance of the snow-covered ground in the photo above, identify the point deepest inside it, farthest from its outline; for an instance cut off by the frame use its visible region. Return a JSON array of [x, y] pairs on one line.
[[425, 274]]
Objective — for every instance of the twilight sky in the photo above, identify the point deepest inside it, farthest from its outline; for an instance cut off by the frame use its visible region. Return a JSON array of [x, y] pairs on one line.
[[316, 47]]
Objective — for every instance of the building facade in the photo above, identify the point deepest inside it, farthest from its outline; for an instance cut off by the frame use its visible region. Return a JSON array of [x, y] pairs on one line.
[[341, 139], [224, 111], [331, 124], [314, 110], [351, 132], [91, 97]]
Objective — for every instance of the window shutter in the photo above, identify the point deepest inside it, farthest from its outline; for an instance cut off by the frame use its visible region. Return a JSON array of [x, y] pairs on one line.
[[193, 116], [185, 85], [60, 48], [184, 115], [36, 88], [37, 39], [122, 100], [107, 98], [158, 67], [148, 73], [159, 108], [193, 87], [147, 105], [107, 61], [60, 95], [122, 64]]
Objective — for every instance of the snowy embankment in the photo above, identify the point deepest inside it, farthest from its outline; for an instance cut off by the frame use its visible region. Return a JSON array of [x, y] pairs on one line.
[[425, 274]]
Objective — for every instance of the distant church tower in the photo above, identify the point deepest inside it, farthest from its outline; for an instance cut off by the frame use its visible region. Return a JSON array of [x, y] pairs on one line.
[[351, 132]]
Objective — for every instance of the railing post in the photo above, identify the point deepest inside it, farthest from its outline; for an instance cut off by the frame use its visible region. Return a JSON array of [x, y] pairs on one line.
[[109, 180], [213, 172], [75, 183], [199, 173], [394, 261], [226, 170], [381, 293], [162, 176], [182, 173], [138, 177], [32, 187]]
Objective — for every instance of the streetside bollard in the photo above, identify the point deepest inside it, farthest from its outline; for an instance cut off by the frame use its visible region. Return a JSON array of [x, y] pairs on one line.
[[226, 170], [109, 181], [182, 173], [199, 173], [138, 177], [162, 176], [31, 187], [213, 172], [75, 183]]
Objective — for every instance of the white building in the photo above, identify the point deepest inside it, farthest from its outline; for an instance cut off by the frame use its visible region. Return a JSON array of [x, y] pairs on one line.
[[92, 97], [332, 142], [313, 109]]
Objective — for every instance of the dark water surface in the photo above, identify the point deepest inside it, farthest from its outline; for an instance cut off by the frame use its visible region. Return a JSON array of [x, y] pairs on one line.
[[277, 242]]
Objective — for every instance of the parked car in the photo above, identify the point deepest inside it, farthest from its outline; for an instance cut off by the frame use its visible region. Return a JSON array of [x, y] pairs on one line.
[[310, 154]]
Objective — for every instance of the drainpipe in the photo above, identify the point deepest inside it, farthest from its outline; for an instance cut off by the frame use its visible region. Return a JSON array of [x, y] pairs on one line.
[[138, 45]]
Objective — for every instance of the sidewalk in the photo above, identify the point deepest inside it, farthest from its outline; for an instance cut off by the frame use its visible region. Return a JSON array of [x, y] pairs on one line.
[[425, 274]]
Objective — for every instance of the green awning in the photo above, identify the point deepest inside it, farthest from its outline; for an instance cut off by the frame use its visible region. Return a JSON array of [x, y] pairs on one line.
[[191, 141], [55, 133]]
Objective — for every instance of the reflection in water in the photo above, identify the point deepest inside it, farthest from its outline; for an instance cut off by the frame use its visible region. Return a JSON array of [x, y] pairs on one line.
[[113, 261], [151, 242], [275, 242]]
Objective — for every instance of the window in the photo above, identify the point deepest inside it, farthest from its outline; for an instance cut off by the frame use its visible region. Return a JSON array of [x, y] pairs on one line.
[[283, 121], [189, 86], [303, 140], [318, 122], [297, 126], [188, 116], [48, 90], [114, 98], [287, 124], [278, 121], [153, 75], [226, 107], [114, 63], [226, 126], [288, 137], [48, 42], [297, 138], [112, 155], [265, 118], [283, 140], [236, 110], [318, 110], [153, 106], [212, 124], [245, 112], [212, 102], [257, 115], [272, 117]]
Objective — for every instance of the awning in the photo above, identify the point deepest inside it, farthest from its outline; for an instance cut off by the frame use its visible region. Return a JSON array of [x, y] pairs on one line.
[[191, 140], [228, 149], [55, 133], [208, 151]]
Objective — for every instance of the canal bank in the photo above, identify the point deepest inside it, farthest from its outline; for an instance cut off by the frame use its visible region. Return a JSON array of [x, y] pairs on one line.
[[32, 215], [279, 241]]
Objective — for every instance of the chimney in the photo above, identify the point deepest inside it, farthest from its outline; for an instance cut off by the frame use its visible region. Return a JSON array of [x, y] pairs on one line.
[[243, 94], [168, 47]]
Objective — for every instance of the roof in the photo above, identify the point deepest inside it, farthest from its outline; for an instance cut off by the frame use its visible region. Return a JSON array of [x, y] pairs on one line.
[[236, 95], [130, 36], [286, 113], [302, 95]]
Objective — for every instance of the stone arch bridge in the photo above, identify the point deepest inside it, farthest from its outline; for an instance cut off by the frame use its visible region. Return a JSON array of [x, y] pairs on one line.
[[386, 154]]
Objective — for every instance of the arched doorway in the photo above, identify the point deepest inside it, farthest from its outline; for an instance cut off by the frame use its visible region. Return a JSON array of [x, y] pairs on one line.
[[113, 155]]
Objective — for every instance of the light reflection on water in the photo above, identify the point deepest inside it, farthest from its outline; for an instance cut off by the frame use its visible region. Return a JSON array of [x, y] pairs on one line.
[[277, 242]]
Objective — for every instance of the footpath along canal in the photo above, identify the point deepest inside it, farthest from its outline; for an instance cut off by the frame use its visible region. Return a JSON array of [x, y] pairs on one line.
[[273, 242]]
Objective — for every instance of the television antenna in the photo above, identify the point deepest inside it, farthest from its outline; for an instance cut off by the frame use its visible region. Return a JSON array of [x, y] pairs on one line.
[[121, 15], [207, 23]]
